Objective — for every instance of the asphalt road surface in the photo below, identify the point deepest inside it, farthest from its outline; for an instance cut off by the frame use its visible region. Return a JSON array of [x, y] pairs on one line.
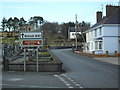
[[81, 72], [88, 72]]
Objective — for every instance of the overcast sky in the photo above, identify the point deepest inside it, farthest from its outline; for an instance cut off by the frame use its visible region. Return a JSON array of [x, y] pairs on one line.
[[61, 11]]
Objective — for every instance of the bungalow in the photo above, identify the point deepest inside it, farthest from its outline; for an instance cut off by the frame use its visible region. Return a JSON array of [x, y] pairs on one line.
[[105, 34]]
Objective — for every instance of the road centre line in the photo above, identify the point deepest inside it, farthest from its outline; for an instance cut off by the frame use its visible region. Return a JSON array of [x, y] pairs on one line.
[[107, 70], [91, 64], [100, 68]]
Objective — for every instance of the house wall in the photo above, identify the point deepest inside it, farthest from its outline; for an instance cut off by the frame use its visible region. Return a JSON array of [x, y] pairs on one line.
[[89, 36], [111, 42], [111, 30], [109, 35], [89, 47]]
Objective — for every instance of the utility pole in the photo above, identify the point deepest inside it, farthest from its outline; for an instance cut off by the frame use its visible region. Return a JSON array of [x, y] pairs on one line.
[[76, 24], [119, 3], [102, 10]]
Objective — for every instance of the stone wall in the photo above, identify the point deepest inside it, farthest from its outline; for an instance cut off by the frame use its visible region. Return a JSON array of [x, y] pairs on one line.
[[43, 67]]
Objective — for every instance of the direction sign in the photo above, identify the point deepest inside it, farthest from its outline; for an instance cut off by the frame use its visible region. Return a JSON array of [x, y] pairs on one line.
[[31, 39], [24, 35], [31, 43]]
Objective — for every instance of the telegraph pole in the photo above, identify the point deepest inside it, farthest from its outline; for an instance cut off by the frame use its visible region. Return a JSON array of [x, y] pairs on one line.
[[119, 3], [102, 10], [76, 24]]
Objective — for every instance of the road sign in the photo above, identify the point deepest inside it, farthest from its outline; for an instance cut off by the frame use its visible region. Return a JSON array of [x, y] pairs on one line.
[[31, 39], [31, 43], [33, 35]]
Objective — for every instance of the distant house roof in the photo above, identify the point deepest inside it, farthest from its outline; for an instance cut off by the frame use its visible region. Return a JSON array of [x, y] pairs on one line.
[[72, 29], [113, 19]]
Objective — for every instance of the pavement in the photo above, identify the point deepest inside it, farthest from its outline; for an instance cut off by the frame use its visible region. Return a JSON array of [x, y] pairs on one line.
[[112, 60]]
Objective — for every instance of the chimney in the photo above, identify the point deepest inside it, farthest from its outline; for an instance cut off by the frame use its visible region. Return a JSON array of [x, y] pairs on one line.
[[110, 9], [98, 16]]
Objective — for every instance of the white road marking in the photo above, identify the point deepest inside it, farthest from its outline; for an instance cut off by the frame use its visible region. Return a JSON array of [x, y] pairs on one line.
[[74, 82], [107, 70], [64, 81], [91, 64], [15, 79], [77, 84], [100, 68]]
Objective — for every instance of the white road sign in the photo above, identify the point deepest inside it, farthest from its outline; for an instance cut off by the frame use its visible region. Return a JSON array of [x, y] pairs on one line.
[[33, 35]]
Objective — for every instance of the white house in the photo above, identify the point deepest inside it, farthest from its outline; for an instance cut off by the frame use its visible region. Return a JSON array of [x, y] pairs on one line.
[[105, 34], [72, 33]]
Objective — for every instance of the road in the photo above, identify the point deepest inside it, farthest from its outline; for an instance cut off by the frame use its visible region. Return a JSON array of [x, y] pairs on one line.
[[88, 72], [81, 72]]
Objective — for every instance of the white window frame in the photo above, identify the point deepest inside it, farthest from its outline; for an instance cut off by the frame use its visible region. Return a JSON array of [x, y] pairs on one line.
[[100, 48], [91, 45], [95, 32], [97, 45], [100, 31]]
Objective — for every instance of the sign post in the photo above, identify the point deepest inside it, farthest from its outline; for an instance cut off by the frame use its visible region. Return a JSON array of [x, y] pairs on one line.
[[24, 59], [37, 63], [31, 40]]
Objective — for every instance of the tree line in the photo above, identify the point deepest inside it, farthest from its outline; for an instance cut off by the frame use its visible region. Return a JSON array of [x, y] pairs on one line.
[[10, 24], [61, 30], [49, 29], [15, 24]]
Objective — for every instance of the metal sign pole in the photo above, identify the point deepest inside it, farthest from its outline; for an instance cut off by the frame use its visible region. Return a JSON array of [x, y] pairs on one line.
[[37, 61], [24, 59]]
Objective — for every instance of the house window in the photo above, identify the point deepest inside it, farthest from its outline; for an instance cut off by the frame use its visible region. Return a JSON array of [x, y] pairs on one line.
[[96, 45], [100, 44], [95, 32], [73, 34], [78, 34], [88, 46], [92, 46], [100, 31]]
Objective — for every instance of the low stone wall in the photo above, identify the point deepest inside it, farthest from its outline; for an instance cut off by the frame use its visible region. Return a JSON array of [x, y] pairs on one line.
[[43, 67]]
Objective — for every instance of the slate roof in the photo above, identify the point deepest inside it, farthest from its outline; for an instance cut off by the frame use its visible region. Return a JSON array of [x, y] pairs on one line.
[[100, 22], [113, 19]]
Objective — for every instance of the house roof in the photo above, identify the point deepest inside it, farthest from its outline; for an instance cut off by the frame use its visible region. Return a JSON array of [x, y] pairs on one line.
[[100, 22], [113, 19], [72, 29]]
